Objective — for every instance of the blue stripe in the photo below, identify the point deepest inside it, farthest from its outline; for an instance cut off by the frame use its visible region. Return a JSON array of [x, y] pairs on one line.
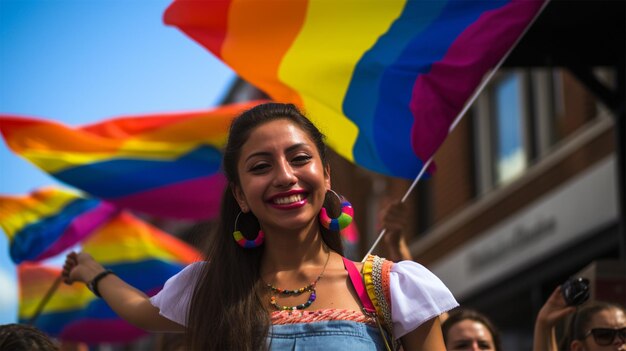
[[425, 49], [122, 177], [146, 275], [362, 95], [32, 240]]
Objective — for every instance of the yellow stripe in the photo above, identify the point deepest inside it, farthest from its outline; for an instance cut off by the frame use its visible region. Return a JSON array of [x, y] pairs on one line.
[[128, 251], [126, 239], [322, 59], [18, 212], [35, 280], [55, 161], [63, 300]]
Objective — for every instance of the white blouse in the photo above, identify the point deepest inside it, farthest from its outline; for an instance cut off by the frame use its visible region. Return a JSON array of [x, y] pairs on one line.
[[417, 295]]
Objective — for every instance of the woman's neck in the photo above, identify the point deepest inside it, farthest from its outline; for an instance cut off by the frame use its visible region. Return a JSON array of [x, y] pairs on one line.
[[290, 251]]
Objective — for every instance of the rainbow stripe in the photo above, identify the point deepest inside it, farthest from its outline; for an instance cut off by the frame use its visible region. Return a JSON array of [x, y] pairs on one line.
[[164, 165], [383, 79], [140, 254], [48, 221]]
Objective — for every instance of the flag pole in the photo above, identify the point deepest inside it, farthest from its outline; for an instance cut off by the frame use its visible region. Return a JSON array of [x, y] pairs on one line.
[[45, 300], [460, 115]]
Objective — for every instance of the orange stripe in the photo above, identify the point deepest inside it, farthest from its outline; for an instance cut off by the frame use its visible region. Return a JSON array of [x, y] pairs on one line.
[[242, 46], [29, 134], [128, 126]]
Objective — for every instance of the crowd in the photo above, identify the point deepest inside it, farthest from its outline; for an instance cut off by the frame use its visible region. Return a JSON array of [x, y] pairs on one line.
[[275, 276]]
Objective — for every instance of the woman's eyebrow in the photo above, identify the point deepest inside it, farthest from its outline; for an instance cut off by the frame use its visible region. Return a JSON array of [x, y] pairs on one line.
[[266, 153]]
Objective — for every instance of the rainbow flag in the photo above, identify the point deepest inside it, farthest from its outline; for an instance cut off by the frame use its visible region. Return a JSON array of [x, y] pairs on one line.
[[140, 254], [383, 79], [49, 221], [165, 165]]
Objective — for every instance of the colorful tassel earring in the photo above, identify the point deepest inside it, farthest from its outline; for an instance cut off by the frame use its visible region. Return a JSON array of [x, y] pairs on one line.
[[341, 222], [242, 241]]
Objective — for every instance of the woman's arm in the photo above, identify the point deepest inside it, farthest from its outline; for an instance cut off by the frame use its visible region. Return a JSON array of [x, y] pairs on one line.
[[427, 336], [550, 314], [129, 303]]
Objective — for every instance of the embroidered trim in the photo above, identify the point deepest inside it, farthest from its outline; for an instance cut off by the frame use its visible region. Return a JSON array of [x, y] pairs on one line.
[[331, 314], [384, 304], [376, 277]]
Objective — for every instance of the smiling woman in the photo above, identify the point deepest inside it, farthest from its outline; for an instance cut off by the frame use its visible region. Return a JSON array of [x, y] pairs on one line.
[[288, 286]]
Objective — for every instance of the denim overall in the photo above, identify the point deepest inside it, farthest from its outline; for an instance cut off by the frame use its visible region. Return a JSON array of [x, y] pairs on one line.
[[329, 335], [325, 336]]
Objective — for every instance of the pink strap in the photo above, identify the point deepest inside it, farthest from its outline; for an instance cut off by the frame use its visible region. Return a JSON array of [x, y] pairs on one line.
[[357, 283]]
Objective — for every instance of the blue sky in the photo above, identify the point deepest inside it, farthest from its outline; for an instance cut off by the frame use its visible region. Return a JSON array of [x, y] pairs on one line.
[[81, 61]]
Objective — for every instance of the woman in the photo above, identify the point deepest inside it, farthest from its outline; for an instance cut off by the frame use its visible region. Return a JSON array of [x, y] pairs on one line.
[[595, 326], [466, 330], [274, 275]]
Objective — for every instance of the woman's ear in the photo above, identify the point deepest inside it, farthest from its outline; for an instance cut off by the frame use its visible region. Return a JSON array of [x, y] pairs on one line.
[[576, 345], [240, 198], [327, 176]]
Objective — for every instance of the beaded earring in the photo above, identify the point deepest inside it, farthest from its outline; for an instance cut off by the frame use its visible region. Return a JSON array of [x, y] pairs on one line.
[[341, 222], [242, 241]]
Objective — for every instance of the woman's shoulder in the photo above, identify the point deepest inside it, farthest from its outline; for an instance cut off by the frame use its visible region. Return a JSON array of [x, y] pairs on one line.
[[406, 293], [173, 300], [417, 295]]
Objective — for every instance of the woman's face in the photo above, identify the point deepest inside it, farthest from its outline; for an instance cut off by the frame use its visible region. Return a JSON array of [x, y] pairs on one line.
[[611, 318], [469, 335], [282, 178]]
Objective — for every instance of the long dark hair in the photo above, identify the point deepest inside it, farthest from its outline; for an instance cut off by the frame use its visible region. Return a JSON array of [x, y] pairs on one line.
[[460, 315], [226, 312]]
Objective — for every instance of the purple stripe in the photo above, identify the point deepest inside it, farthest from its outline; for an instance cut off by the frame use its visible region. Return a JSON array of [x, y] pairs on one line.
[[80, 228], [201, 197], [96, 331], [439, 95]]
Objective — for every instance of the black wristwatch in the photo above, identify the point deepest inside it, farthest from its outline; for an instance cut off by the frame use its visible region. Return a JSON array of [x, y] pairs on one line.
[[93, 284]]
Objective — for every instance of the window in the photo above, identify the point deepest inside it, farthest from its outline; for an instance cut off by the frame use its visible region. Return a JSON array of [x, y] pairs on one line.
[[510, 156], [503, 130]]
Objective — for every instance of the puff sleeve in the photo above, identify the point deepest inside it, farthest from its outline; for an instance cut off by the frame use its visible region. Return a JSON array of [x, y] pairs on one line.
[[417, 295], [173, 300]]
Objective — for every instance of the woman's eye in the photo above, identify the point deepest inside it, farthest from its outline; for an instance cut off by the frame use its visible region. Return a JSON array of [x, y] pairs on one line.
[[259, 167], [301, 159], [461, 345], [484, 345]]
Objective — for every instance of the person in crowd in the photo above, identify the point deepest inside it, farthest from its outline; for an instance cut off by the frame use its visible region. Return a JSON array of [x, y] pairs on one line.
[[395, 221], [469, 330], [22, 337], [274, 276], [593, 326]]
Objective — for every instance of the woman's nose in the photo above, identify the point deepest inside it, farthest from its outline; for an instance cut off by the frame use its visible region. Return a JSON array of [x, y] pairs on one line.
[[284, 174]]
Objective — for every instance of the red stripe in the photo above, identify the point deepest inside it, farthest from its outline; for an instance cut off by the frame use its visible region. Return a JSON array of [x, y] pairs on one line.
[[204, 21]]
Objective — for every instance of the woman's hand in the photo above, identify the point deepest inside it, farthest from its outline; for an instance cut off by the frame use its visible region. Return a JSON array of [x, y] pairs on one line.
[[395, 221], [549, 315], [554, 310], [80, 267]]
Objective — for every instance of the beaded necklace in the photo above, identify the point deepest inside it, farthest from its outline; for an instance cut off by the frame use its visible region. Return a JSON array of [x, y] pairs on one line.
[[275, 292]]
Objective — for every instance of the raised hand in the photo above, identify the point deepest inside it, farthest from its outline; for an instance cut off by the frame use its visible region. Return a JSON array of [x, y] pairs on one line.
[[80, 267]]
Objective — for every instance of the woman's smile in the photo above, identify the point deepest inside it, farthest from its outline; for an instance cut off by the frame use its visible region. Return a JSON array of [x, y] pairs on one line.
[[289, 200]]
